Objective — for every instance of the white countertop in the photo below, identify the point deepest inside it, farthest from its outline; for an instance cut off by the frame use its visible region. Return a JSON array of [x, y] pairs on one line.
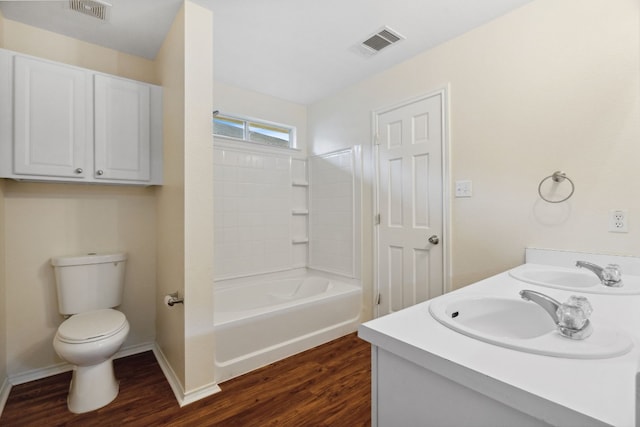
[[603, 390]]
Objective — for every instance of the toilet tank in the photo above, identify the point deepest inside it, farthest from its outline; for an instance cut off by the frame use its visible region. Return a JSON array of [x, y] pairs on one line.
[[89, 282]]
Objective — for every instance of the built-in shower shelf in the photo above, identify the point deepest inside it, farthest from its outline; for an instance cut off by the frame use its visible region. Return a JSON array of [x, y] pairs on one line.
[[299, 213]]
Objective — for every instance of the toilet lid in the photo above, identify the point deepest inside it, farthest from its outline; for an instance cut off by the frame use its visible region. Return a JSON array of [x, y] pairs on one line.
[[91, 325]]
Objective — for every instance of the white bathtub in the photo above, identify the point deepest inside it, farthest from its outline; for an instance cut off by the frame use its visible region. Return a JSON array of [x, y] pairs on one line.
[[260, 320]]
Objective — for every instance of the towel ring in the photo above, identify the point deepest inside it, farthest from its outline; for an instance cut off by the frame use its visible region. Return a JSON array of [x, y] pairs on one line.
[[558, 177]]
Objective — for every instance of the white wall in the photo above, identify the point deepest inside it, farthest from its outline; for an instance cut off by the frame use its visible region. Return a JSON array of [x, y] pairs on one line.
[[552, 85], [237, 101]]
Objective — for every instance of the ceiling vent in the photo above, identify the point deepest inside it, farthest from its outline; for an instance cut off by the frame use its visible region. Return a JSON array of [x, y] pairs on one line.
[[96, 8], [378, 41]]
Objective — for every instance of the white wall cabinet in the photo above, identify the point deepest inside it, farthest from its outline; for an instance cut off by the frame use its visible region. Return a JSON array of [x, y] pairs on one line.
[[51, 115], [122, 129], [69, 124]]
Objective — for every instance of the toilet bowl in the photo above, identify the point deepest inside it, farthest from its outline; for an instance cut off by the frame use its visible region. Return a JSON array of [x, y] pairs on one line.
[[89, 341], [88, 288]]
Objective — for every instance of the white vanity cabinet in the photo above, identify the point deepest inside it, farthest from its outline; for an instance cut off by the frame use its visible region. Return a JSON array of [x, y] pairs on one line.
[[68, 124], [425, 373]]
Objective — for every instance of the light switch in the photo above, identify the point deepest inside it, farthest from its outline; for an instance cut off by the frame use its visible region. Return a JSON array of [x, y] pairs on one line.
[[464, 188]]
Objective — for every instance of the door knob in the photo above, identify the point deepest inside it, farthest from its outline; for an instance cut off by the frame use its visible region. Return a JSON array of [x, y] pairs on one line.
[[434, 239]]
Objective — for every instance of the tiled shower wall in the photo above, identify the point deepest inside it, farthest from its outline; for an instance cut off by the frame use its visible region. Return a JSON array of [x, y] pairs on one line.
[[272, 214], [252, 212], [331, 236]]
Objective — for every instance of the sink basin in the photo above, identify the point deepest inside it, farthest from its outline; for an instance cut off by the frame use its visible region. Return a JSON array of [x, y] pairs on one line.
[[523, 326], [572, 279]]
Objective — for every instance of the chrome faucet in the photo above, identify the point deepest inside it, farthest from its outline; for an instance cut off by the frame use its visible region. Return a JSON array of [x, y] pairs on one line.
[[609, 275], [550, 305], [568, 322]]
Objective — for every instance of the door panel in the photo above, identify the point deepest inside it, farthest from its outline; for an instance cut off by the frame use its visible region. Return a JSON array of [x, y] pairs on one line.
[[410, 268], [395, 193], [396, 275]]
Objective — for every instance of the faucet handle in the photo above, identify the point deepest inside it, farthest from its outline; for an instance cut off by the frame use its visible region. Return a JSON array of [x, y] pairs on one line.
[[612, 273], [574, 313]]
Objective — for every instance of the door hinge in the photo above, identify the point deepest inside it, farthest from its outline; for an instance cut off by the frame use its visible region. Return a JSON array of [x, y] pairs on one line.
[[377, 219], [379, 299], [376, 139]]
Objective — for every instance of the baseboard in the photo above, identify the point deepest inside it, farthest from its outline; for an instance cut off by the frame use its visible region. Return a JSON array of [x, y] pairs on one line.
[[134, 349], [37, 374], [183, 398], [5, 389], [200, 393]]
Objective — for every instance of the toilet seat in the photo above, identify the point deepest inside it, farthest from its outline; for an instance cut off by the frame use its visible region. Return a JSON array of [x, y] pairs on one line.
[[91, 326]]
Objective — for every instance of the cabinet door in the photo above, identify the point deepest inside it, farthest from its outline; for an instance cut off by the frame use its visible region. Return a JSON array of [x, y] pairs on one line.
[[122, 120], [6, 114], [51, 130]]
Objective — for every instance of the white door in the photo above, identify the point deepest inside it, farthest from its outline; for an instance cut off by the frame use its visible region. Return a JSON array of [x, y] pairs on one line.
[[122, 132], [410, 198], [51, 119]]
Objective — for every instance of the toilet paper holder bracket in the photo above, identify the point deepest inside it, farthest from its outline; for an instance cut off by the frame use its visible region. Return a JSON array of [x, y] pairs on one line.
[[174, 299]]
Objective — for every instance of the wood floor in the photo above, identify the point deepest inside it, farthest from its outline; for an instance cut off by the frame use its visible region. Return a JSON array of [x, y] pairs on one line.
[[329, 385]]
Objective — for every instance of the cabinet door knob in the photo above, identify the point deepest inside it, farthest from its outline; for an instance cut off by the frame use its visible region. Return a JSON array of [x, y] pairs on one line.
[[99, 172], [79, 170]]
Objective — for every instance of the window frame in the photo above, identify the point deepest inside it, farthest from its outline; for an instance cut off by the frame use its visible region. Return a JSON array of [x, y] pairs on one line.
[[247, 122]]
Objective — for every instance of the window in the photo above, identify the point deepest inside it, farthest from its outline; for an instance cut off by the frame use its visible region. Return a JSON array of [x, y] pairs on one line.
[[251, 130]]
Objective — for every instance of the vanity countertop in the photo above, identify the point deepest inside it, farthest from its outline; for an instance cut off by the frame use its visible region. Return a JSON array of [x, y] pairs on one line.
[[553, 388]]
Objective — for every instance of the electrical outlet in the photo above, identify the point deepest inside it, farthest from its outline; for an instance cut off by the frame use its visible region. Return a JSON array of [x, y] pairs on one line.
[[464, 189], [619, 221]]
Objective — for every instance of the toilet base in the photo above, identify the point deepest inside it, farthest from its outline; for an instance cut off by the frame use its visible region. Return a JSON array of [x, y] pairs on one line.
[[92, 387]]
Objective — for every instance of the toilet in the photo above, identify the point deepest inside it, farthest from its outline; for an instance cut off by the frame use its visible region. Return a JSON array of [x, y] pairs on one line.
[[88, 287]]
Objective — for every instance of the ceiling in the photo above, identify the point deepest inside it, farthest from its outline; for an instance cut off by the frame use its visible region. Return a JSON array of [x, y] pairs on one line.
[[298, 50]]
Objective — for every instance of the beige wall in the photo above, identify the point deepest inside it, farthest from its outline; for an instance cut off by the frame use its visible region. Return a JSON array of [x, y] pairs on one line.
[[34, 41], [185, 202], [52, 219], [170, 324], [2, 24], [234, 100], [3, 328], [3, 299], [199, 345], [552, 85], [44, 220]]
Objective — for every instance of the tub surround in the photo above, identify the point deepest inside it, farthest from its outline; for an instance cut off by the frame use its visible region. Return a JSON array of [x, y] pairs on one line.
[[332, 200], [276, 209], [253, 209], [419, 363]]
